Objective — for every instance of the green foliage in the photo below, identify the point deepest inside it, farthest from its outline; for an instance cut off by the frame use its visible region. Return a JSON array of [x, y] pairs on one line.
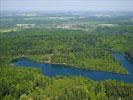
[[77, 47], [118, 90], [85, 45], [72, 47], [27, 83], [18, 81]]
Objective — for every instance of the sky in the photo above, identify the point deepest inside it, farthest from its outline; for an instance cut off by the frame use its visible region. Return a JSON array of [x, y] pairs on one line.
[[66, 5]]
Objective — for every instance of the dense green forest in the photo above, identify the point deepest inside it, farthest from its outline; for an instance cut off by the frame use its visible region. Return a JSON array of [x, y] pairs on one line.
[[73, 47], [81, 42], [29, 83]]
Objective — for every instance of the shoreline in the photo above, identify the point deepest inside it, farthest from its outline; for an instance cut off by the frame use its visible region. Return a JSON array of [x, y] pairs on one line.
[[128, 57], [66, 65]]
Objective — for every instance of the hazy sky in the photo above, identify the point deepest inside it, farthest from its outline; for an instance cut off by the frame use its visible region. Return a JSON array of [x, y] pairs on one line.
[[67, 5]]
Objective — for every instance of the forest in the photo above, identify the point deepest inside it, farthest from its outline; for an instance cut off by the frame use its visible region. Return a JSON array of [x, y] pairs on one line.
[[84, 43], [29, 83], [76, 48]]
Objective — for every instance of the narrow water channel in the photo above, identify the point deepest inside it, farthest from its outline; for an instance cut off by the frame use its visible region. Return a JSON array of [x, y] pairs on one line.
[[56, 69]]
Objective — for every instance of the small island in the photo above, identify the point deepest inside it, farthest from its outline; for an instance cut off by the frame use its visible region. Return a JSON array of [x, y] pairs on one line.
[[129, 54]]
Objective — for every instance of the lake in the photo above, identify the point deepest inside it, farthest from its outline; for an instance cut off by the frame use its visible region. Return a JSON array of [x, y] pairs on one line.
[[58, 69]]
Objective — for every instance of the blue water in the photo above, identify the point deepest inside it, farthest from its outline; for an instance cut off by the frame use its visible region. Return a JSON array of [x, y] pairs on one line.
[[56, 69]]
